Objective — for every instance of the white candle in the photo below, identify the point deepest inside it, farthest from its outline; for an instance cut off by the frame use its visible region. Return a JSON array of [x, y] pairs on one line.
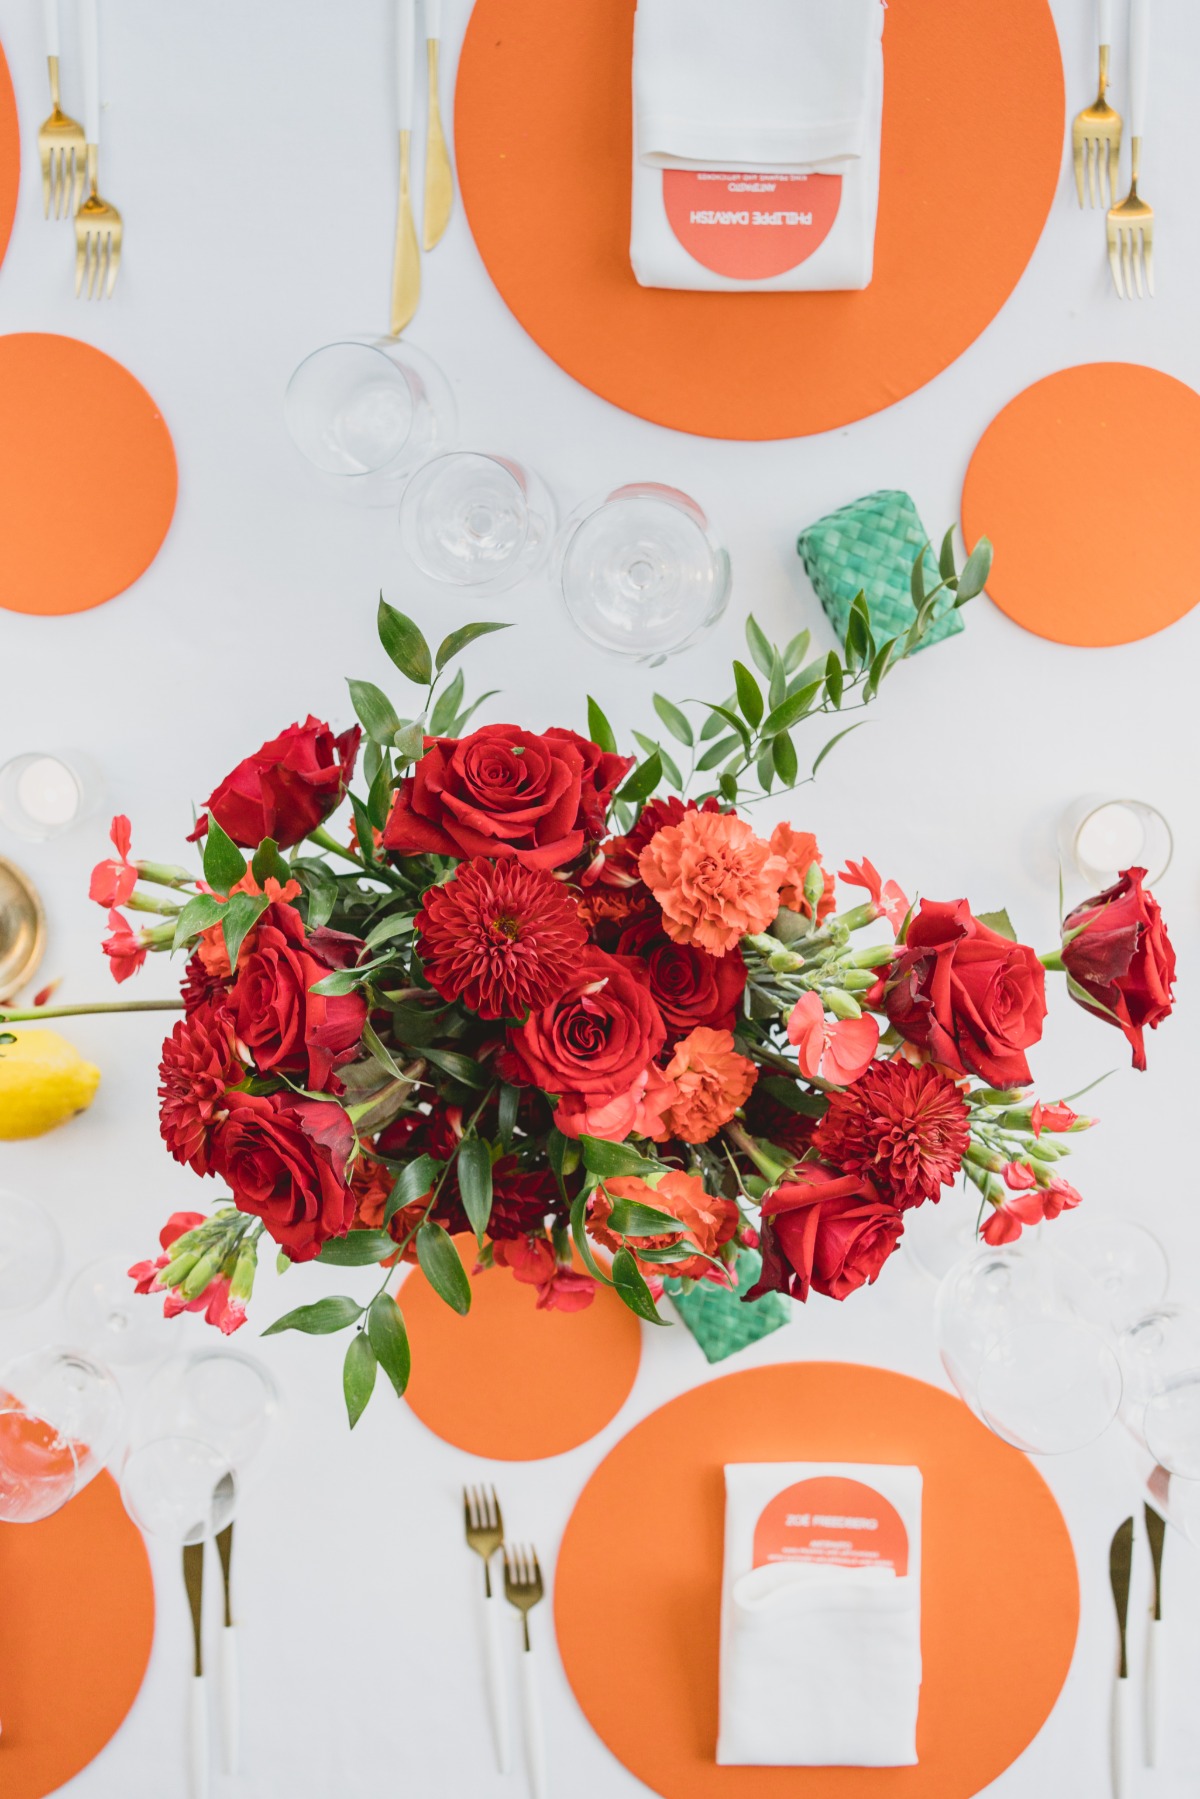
[[1109, 839], [47, 792]]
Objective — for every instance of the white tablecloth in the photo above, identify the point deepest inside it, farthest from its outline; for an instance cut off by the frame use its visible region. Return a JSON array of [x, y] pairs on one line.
[[226, 124]]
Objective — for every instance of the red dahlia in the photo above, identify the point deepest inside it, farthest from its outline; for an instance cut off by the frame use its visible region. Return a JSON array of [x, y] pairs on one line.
[[906, 1126], [198, 1066], [503, 938]]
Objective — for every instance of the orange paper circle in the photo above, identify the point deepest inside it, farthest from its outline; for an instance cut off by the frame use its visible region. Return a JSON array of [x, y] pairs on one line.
[[638, 1587], [1046, 483], [543, 126], [76, 1626], [508, 1381], [10, 155], [87, 476]]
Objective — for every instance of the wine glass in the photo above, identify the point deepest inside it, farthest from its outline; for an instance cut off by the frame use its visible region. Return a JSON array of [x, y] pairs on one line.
[[1099, 837], [641, 572], [179, 1488], [218, 1396], [937, 1236], [107, 1316], [60, 1418], [1112, 1270], [477, 521], [1156, 1348], [31, 1253], [365, 412]]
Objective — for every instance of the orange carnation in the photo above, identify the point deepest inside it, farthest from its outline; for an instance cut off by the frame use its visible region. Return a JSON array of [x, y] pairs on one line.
[[714, 879], [799, 852], [708, 1220], [712, 1081]]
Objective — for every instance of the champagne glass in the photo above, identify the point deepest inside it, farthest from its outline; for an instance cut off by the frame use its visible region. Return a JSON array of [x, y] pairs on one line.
[[476, 521], [365, 412], [60, 1418]]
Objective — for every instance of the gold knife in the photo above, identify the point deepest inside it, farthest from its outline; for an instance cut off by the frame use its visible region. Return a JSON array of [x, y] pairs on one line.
[[1156, 1530], [1120, 1559], [439, 181], [227, 1665], [193, 1580], [406, 268]]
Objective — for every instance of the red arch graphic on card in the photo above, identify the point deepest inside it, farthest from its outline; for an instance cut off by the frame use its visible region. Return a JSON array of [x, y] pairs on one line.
[[750, 226], [833, 1521]]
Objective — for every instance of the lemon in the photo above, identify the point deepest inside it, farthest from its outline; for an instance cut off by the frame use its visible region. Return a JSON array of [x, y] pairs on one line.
[[43, 1082]]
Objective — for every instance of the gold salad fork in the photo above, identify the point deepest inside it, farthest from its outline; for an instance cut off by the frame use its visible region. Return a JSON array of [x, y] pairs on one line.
[[1131, 224], [61, 142], [1096, 133], [485, 1534], [98, 228], [523, 1588]]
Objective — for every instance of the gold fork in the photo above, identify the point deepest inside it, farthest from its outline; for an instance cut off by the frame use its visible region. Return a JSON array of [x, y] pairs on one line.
[[1131, 224], [1096, 133], [61, 142], [98, 226], [485, 1534], [523, 1588]]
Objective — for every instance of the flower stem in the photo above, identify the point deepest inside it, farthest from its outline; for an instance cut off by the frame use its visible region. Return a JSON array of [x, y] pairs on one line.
[[1052, 960], [327, 842], [34, 1014]]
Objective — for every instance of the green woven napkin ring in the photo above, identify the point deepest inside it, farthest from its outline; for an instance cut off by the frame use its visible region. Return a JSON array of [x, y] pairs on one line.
[[870, 547], [719, 1319]]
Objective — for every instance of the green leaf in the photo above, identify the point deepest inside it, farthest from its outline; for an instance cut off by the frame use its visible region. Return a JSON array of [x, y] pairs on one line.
[[239, 915], [458, 640], [717, 753], [793, 709], [509, 1104], [717, 722], [414, 1182], [396, 924], [321, 890], [599, 729], [917, 578], [379, 1049], [612, 1160], [631, 1219], [556, 1151], [379, 800], [459, 1067], [582, 1241], [631, 1285], [786, 763], [860, 645], [358, 1377], [198, 915], [764, 768], [376, 713], [976, 570], [833, 679], [761, 652], [268, 864], [795, 1098], [733, 721], [749, 694], [677, 724], [999, 922], [445, 707], [224, 863], [946, 568], [319, 1320], [358, 1249], [796, 651], [342, 980], [365, 832], [729, 788], [671, 770], [834, 741], [404, 644], [442, 1267], [409, 741], [643, 780], [456, 729], [475, 1183], [389, 1340], [879, 668], [777, 690]]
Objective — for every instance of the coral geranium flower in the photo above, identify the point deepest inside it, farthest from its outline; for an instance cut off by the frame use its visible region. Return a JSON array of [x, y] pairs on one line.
[[503, 938], [714, 879]]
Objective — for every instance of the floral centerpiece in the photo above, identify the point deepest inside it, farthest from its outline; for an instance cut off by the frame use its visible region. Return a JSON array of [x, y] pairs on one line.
[[568, 1006]]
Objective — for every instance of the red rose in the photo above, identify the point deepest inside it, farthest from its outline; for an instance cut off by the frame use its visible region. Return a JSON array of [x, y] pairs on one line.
[[287, 1028], [596, 1039], [285, 1162], [689, 986], [966, 994], [501, 792], [1116, 949], [287, 788], [602, 773], [825, 1230]]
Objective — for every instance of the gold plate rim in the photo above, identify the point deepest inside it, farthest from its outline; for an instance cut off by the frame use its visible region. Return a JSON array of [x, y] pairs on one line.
[[16, 974]]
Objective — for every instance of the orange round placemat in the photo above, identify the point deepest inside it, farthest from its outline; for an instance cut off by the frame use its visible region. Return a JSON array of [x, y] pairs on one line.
[[1043, 484], [10, 155], [76, 1625], [87, 475], [638, 1587], [543, 123], [508, 1381]]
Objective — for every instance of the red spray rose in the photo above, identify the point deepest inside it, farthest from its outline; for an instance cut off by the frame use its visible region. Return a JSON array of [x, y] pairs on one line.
[[906, 1127], [827, 1231], [502, 938], [594, 1041], [287, 1028], [970, 997], [285, 1161], [287, 788], [689, 986], [1117, 952], [502, 792]]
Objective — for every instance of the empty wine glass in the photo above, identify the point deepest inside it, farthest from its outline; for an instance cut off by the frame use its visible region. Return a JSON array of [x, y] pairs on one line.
[[936, 1237], [477, 521], [1099, 837], [109, 1318], [31, 1253], [641, 573], [218, 1396], [60, 1418], [1156, 1348], [44, 793], [1112, 1270], [1171, 1425], [365, 412], [179, 1488]]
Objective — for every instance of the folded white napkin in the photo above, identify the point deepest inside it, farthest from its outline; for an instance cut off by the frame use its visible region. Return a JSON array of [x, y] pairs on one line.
[[790, 88], [820, 1663]]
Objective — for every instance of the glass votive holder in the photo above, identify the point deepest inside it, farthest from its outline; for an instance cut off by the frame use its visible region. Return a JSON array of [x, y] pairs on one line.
[[46, 792], [365, 412], [1098, 838], [641, 573], [477, 521]]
